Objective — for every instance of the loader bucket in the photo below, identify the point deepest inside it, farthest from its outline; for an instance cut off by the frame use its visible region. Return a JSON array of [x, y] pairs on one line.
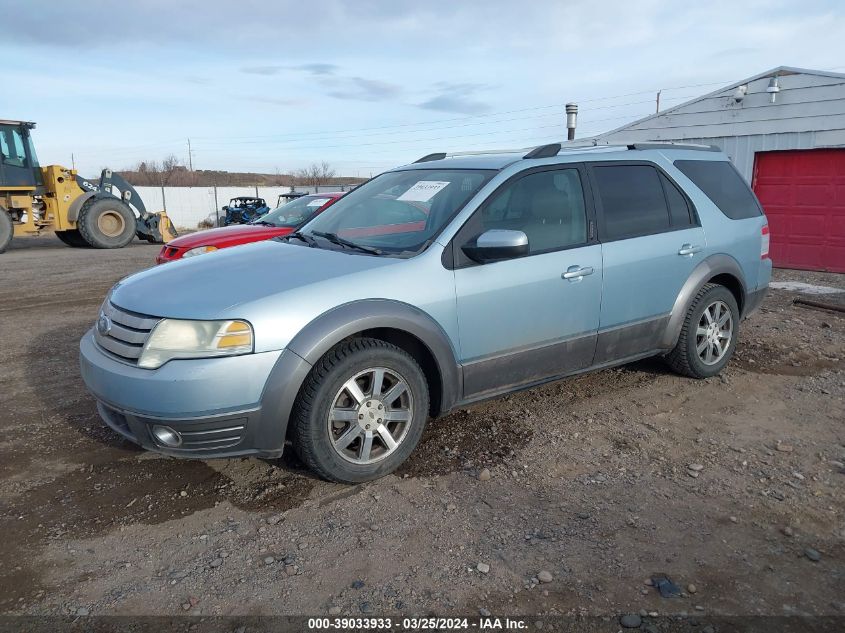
[[156, 228]]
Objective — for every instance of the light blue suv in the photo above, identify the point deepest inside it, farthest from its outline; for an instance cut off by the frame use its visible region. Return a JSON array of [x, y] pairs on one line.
[[432, 286]]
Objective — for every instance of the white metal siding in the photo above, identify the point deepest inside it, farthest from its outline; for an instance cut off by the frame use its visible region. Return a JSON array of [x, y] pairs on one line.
[[741, 149], [808, 113]]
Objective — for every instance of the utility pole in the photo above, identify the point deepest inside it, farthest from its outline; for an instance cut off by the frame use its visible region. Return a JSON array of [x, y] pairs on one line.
[[657, 108], [190, 157]]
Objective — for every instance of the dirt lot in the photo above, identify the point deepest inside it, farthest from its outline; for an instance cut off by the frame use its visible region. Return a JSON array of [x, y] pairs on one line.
[[589, 481]]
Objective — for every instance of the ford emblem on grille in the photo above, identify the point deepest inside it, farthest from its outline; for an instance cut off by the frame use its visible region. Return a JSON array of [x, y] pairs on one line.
[[103, 325]]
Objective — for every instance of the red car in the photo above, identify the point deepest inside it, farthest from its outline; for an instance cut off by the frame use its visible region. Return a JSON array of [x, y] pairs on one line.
[[282, 221]]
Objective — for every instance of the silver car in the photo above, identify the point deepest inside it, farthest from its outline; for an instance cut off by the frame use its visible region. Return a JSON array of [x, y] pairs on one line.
[[432, 286]]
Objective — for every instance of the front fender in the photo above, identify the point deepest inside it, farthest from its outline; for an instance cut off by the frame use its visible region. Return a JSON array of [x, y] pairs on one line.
[[719, 264], [76, 205], [331, 327]]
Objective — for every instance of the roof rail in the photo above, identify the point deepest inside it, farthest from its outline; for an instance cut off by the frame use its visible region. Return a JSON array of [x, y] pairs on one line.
[[430, 157], [544, 151], [693, 146]]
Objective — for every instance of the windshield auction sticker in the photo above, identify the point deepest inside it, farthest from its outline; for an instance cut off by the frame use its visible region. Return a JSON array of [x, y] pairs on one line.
[[424, 191], [317, 202]]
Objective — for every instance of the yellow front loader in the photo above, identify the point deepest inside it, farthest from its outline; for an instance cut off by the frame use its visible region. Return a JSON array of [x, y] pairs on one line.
[[35, 199]]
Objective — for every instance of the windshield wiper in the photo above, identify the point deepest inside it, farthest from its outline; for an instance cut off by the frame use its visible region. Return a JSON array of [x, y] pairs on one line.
[[262, 222], [301, 236], [336, 239]]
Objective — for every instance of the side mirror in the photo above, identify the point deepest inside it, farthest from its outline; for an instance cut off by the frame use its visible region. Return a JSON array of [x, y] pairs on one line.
[[496, 245]]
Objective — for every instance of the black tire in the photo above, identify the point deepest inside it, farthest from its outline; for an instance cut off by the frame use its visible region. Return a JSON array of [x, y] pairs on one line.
[[72, 238], [309, 424], [7, 230], [98, 215], [685, 358]]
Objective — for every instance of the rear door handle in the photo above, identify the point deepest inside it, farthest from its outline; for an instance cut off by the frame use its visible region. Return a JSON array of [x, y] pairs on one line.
[[688, 250], [575, 273]]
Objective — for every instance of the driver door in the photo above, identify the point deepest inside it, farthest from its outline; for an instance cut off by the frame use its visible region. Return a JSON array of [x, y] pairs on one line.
[[532, 318]]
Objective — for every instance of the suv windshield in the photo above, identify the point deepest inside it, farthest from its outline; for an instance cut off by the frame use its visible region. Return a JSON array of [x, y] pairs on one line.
[[295, 212], [397, 212]]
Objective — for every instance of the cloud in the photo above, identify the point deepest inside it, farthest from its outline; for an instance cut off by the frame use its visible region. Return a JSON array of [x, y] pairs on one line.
[[457, 97], [317, 69], [263, 70], [277, 101], [361, 89]]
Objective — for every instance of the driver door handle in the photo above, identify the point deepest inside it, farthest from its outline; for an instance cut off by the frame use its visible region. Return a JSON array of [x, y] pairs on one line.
[[575, 273], [689, 250]]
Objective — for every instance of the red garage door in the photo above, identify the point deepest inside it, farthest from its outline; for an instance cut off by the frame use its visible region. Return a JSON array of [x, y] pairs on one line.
[[803, 194]]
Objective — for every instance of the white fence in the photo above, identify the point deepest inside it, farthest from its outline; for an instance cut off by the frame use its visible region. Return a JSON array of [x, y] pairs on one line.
[[188, 206]]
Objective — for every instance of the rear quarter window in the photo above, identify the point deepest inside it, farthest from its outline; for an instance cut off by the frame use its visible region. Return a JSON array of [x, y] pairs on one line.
[[721, 182]]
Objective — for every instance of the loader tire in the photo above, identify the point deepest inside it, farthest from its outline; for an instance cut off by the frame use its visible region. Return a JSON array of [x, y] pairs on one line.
[[106, 223], [6, 229], [72, 238]]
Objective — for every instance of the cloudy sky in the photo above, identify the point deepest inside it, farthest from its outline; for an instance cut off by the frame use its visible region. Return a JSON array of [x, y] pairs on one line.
[[365, 85]]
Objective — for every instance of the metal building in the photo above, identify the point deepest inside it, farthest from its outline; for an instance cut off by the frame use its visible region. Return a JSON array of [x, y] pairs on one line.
[[784, 129]]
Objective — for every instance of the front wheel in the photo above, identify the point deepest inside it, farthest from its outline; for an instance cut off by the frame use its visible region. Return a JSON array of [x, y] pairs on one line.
[[708, 336], [106, 222], [361, 411]]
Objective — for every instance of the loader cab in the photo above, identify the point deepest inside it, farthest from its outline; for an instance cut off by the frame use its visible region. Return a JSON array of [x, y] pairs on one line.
[[18, 162]]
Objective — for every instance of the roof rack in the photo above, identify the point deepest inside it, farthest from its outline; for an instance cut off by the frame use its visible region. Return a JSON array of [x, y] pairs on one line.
[[544, 151], [693, 146], [430, 157], [553, 149]]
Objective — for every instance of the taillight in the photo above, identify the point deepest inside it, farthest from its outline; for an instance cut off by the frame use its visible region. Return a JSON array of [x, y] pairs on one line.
[[764, 242]]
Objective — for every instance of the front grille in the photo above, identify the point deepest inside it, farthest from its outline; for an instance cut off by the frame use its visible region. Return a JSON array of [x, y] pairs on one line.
[[123, 333]]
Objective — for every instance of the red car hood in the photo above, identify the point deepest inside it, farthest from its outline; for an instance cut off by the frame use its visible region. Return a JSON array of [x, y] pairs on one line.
[[229, 236]]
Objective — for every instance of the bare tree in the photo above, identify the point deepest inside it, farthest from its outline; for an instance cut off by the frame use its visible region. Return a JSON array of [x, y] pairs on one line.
[[316, 174]]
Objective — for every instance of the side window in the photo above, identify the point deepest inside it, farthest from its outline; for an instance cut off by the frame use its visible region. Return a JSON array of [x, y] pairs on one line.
[[548, 206], [18, 156], [680, 213], [632, 201], [723, 185], [4, 146]]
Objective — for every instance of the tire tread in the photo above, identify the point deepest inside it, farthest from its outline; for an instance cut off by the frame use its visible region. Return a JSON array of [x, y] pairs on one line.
[[306, 401], [89, 235]]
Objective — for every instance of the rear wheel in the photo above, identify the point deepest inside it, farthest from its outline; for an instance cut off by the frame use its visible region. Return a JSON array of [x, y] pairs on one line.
[[72, 238], [361, 411], [106, 223], [708, 336], [7, 230]]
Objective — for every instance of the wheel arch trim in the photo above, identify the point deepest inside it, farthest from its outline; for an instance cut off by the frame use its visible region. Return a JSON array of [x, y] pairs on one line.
[[349, 319], [712, 266], [76, 206]]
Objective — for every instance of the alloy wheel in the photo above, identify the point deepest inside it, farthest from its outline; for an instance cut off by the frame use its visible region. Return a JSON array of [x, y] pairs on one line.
[[714, 333], [370, 415]]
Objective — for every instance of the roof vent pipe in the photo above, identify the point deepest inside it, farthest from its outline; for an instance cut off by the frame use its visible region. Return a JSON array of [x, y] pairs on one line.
[[571, 120]]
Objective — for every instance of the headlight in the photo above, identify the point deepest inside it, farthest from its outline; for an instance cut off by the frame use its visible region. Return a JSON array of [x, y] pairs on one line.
[[175, 338], [199, 250]]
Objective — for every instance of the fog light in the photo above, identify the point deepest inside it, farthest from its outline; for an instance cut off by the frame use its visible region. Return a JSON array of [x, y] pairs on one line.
[[166, 436]]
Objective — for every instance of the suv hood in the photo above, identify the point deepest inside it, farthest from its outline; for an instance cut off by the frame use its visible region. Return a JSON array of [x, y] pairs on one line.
[[210, 286]]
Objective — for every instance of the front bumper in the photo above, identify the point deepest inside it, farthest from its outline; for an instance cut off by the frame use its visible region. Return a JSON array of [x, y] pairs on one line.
[[220, 407]]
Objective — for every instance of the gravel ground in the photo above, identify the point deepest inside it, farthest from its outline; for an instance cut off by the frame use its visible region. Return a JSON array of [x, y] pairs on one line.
[[564, 499]]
